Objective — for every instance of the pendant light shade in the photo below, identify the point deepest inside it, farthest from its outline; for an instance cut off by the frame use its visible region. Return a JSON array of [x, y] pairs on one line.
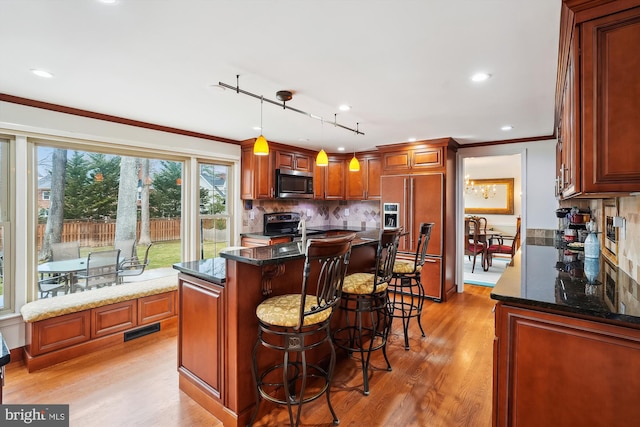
[[261, 146], [322, 159], [354, 164]]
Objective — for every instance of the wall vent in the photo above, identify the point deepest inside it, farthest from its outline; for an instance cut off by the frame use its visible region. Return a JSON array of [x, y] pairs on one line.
[[140, 332]]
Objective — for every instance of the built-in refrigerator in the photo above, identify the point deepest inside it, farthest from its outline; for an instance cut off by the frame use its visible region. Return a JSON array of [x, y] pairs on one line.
[[420, 199]]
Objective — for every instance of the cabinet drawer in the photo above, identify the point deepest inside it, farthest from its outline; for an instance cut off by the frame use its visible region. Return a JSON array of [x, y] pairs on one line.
[[113, 318], [58, 332], [156, 307]]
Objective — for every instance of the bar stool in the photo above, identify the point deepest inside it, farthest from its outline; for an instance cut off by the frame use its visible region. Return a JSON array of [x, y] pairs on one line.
[[293, 324], [406, 291], [365, 294]]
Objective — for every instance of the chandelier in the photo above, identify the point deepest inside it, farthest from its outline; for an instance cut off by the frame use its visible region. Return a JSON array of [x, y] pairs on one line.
[[484, 191]]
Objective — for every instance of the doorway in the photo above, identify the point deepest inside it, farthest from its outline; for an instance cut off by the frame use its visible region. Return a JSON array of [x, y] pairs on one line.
[[487, 192]]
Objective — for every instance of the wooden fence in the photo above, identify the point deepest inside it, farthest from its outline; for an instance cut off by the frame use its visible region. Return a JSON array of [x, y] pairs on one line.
[[99, 233]]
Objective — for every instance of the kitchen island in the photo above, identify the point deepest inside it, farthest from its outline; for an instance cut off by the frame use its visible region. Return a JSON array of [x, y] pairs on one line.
[[217, 321], [567, 346]]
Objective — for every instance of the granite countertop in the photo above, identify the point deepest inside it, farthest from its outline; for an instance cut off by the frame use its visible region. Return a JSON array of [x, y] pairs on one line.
[[5, 355], [210, 269], [552, 276], [274, 254]]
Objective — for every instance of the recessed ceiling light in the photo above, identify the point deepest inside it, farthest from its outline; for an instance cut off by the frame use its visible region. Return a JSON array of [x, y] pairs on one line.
[[480, 77], [412, 139], [507, 127], [41, 73], [108, 1], [344, 107], [340, 148], [257, 128]]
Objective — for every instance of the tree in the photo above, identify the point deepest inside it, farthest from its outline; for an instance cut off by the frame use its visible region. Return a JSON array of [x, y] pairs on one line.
[[166, 197], [77, 180], [145, 182], [55, 220], [102, 189], [126, 215]]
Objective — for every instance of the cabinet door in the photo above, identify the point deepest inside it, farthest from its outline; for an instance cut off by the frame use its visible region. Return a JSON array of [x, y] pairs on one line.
[[201, 337], [568, 134], [611, 102], [335, 180], [372, 179], [427, 198], [257, 178], [293, 161]]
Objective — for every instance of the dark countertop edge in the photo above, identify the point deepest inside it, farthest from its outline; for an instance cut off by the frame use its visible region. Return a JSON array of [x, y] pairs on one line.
[[198, 274], [312, 229], [234, 255], [512, 278], [4, 352]]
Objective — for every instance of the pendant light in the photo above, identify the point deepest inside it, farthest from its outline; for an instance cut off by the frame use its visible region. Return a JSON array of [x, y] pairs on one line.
[[261, 146], [321, 158], [354, 164]]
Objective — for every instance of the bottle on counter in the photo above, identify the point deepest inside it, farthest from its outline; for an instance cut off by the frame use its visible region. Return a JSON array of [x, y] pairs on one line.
[[591, 243]]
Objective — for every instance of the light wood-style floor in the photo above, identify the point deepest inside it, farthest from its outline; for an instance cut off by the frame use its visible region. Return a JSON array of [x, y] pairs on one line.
[[444, 380]]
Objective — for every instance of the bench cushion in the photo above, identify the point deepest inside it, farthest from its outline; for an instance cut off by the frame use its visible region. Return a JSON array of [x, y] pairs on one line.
[[71, 303]]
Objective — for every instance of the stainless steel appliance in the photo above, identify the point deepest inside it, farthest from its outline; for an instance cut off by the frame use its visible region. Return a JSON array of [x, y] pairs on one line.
[[292, 184], [284, 224]]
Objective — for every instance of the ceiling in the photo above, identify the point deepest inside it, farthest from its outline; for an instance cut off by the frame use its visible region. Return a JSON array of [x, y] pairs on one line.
[[404, 66]]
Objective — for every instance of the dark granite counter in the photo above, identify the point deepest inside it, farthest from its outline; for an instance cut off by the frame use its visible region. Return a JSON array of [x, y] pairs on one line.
[[210, 269], [5, 355], [554, 277], [274, 254]]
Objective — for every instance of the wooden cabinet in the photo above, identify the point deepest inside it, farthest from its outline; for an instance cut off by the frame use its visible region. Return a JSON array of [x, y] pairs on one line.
[[558, 370], [365, 183], [252, 242], [422, 157], [329, 182], [431, 278], [292, 160], [201, 348], [598, 124], [257, 177]]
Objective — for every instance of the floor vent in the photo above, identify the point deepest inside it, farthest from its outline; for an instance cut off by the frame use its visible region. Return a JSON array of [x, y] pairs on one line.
[[140, 332]]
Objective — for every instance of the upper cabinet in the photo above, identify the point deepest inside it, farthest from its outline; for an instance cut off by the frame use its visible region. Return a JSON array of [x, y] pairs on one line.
[[257, 178], [417, 157], [365, 183], [329, 182], [292, 160], [598, 99]]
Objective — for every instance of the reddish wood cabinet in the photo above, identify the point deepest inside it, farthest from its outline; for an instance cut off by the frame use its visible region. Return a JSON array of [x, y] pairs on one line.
[[329, 182], [557, 370], [598, 100], [365, 183]]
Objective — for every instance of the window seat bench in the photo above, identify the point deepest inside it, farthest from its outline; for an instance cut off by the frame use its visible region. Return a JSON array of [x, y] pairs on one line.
[[68, 326]]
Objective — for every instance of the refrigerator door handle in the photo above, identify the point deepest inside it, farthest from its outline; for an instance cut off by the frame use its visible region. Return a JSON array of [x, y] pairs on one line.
[[411, 190]]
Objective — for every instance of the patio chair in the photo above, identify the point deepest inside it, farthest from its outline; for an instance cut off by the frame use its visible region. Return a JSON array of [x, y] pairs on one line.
[[51, 285], [65, 250], [134, 266], [127, 249], [102, 270]]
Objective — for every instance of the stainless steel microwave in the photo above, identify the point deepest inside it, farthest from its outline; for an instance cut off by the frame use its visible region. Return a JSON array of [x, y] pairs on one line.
[[292, 184]]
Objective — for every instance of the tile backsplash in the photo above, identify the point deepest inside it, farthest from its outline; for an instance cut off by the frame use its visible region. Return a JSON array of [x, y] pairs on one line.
[[326, 212], [629, 244]]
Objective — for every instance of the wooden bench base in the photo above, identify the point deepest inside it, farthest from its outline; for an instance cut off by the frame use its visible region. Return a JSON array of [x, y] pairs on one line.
[[64, 337]]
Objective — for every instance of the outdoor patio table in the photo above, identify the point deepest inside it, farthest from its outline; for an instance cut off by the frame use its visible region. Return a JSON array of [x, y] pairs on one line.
[[67, 266]]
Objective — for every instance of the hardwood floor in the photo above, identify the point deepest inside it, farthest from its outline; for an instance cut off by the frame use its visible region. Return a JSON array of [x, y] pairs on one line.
[[444, 380]]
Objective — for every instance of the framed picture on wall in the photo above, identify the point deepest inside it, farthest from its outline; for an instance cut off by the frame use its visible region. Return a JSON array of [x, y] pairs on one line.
[[489, 196]]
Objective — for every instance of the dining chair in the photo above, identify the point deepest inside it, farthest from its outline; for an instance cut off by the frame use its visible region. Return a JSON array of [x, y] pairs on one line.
[[472, 247], [128, 249], [295, 323], [365, 306], [133, 266], [505, 249], [102, 270], [406, 297]]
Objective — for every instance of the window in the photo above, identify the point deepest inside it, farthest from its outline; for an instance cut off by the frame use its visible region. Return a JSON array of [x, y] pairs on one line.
[[46, 195], [99, 200], [215, 218], [6, 285]]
